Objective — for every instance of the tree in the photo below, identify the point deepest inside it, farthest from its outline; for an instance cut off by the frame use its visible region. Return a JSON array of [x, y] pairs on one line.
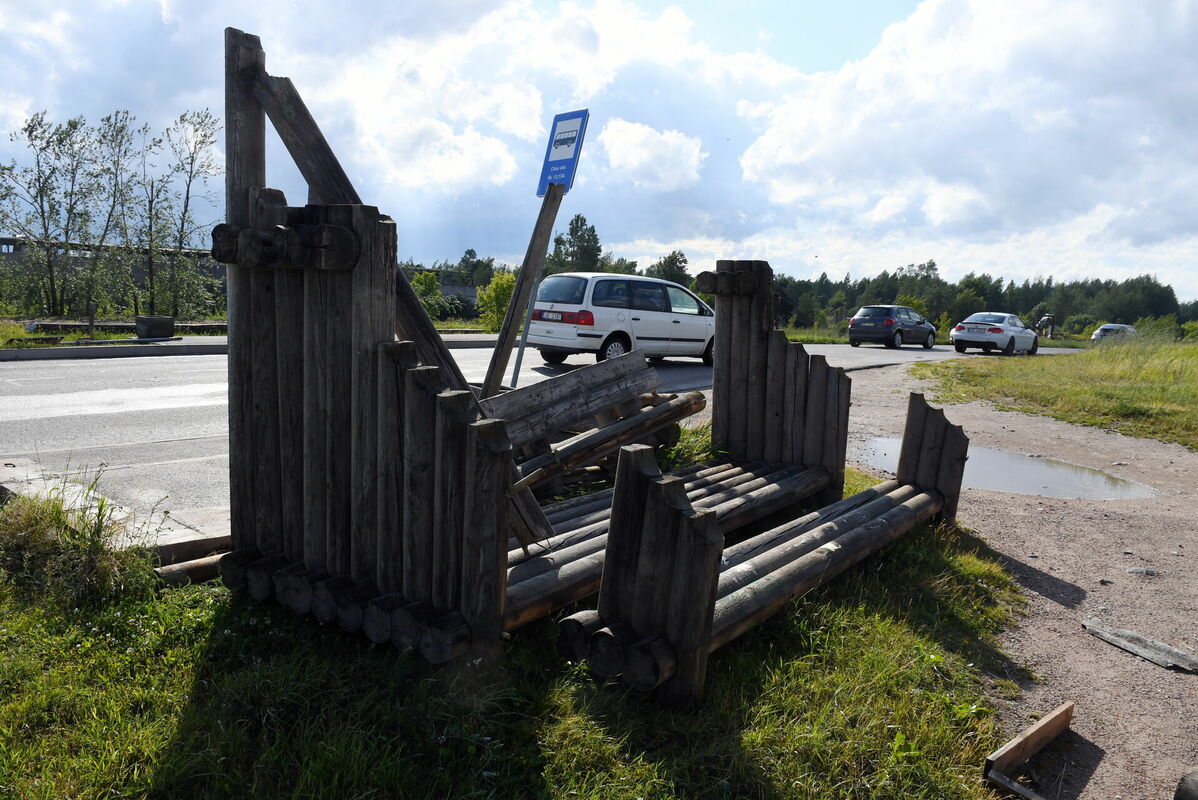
[[428, 289], [577, 251], [910, 301], [481, 270], [493, 299], [671, 268], [621, 266], [192, 142], [151, 215]]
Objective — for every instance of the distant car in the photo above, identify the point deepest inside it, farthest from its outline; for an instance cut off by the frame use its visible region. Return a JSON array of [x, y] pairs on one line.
[[1112, 331], [892, 326], [608, 315], [994, 330]]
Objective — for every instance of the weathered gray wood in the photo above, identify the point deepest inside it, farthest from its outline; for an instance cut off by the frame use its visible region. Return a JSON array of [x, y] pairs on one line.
[[953, 454], [291, 359], [721, 373], [327, 181], [282, 577], [649, 602], [245, 167], [760, 321], [650, 663], [814, 414], [908, 462], [407, 620], [260, 576], [635, 468], [764, 501], [455, 411], [233, 566], [394, 359], [530, 270], [738, 394], [608, 649], [830, 451], [775, 398], [796, 419], [691, 605], [339, 428], [1031, 740], [316, 417], [929, 451], [574, 634], [298, 589], [264, 380], [376, 623], [197, 570], [421, 385], [484, 574], [324, 596], [445, 638], [1158, 653], [351, 603], [842, 441]]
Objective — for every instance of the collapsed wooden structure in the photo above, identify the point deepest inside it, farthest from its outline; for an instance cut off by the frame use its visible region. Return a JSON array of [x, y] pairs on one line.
[[672, 593]]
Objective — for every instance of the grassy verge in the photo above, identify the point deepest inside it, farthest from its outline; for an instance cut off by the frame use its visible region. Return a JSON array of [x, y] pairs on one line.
[[817, 335], [869, 688], [1139, 387]]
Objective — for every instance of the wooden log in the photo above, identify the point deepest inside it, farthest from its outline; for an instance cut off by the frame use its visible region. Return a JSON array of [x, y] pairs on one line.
[[351, 605], [233, 566], [484, 537], [455, 411], [830, 449], [245, 167], [445, 638], [760, 321], [760, 503], [394, 359], [281, 578], [259, 576], [530, 271], [814, 415], [373, 324], [539, 596], [634, 470], [775, 397], [608, 649], [658, 535], [694, 572], [574, 634], [740, 485], [908, 462], [929, 451], [796, 415], [421, 385], [197, 570], [265, 431], [842, 439], [317, 293], [739, 406], [650, 663], [327, 181], [406, 622], [324, 601], [953, 454], [338, 487], [376, 622], [298, 589], [721, 363], [534, 411], [291, 359]]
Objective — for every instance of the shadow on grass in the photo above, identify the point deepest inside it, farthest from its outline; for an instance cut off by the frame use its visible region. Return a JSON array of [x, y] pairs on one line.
[[1064, 767]]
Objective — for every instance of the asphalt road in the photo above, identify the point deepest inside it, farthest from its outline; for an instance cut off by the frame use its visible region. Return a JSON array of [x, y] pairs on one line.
[[156, 428]]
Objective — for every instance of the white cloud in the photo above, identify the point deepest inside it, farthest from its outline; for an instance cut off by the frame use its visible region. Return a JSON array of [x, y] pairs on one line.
[[653, 159]]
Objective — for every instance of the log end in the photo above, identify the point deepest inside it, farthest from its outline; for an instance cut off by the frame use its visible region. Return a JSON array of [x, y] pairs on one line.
[[260, 576], [324, 602], [233, 565], [649, 664], [406, 621], [444, 638], [574, 634], [609, 651]]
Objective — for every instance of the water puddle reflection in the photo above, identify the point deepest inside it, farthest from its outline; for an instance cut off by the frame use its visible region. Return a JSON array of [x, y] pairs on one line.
[[1006, 471]]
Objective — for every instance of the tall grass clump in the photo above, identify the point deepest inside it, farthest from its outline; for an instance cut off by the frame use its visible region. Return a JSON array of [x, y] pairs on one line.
[[55, 554], [1146, 386]]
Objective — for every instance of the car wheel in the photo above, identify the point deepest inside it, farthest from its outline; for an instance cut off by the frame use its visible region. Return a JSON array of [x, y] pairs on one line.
[[1031, 351], [615, 346], [854, 343], [929, 342], [549, 357], [960, 348], [708, 358], [1009, 348], [897, 339]]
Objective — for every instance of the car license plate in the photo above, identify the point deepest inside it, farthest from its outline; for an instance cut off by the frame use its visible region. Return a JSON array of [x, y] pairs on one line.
[[551, 316], [977, 330], [868, 324]]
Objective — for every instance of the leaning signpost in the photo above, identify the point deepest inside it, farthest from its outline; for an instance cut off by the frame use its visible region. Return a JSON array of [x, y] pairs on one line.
[[557, 176]]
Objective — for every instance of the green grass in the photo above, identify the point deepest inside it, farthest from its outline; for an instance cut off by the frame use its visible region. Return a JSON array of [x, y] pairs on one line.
[[1140, 387], [817, 335], [869, 688]]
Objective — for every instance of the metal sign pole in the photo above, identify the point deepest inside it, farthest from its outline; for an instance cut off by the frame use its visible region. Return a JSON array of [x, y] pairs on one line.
[[532, 301]]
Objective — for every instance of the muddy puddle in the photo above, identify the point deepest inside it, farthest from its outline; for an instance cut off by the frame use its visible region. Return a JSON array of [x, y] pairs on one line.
[[1007, 471]]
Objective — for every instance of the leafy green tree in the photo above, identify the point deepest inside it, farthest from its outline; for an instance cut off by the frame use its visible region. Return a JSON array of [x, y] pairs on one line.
[[480, 270], [428, 289], [493, 299], [967, 302], [944, 324], [805, 311], [191, 140], [578, 250], [621, 266], [914, 302], [671, 267]]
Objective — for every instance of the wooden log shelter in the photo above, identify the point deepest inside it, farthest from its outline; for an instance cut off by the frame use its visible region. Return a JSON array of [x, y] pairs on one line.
[[671, 592]]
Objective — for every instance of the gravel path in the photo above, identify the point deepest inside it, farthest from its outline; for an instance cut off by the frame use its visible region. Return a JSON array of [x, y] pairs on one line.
[[1135, 725]]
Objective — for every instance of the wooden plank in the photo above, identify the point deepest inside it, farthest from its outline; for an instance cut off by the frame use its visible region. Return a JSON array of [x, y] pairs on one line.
[[649, 603], [691, 606], [842, 440], [245, 167], [454, 414], [530, 270], [786, 424], [530, 400], [1158, 653], [291, 359], [484, 538], [953, 454], [908, 462], [738, 398], [830, 449], [394, 358], [929, 451], [264, 378], [301, 136], [339, 418], [316, 416], [635, 468], [722, 363], [757, 356], [1030, 741], [813, 414], [420, 386], [797, 354], [775, 396], [372, 325]]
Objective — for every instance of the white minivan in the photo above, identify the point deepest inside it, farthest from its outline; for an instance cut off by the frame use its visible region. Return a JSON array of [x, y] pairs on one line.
[[610, 314]]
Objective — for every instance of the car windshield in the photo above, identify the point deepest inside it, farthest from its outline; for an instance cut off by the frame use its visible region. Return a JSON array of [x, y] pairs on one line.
[[989, 319], [562, 289], [875, 311]]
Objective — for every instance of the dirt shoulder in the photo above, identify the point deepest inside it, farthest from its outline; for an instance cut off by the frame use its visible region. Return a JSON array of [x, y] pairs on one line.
[[1134, 729]]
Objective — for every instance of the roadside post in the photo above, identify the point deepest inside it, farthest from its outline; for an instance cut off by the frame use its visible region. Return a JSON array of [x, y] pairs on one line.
[[557, 177]]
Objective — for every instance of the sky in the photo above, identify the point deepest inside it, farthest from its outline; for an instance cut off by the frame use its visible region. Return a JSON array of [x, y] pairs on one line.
[[1022, 138]]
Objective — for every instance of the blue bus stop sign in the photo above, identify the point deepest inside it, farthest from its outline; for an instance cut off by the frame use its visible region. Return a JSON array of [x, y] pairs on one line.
[[561, 154]]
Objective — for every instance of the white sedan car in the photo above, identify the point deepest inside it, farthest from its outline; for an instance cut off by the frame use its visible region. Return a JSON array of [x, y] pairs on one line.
[[994, 330]]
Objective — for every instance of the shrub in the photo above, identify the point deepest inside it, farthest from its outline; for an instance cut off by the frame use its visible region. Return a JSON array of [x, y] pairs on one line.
[[1190, 330], [493, 299], [1165, 327]]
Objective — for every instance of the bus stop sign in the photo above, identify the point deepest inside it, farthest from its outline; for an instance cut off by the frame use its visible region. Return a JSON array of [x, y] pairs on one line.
[[561, 154]]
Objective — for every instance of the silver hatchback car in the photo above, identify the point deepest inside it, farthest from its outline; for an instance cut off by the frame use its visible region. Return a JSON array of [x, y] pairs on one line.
[[994, 330]]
